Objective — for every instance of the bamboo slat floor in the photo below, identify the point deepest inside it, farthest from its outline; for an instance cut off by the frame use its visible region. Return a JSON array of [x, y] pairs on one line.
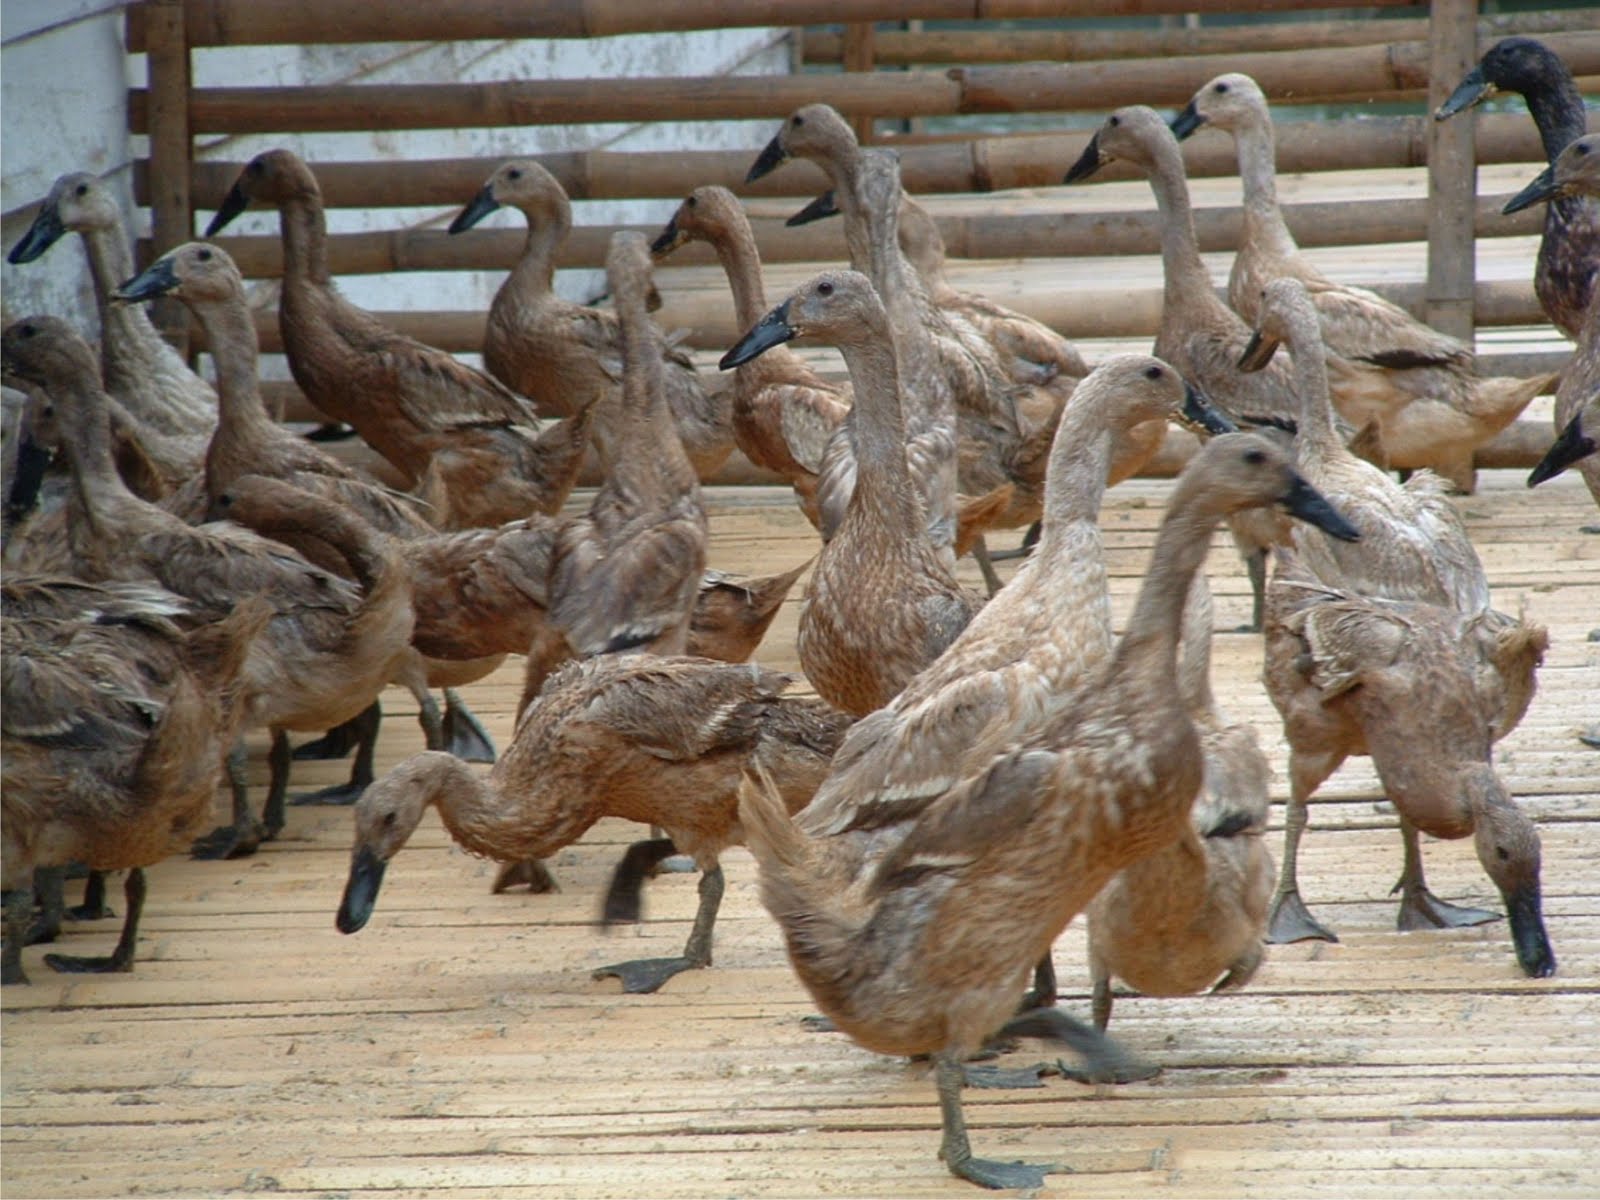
[[459, 1048]]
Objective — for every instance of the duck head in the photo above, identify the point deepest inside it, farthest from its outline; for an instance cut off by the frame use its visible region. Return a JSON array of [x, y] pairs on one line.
[[1574, 443], [831, 306], [192, 271], [1286, 314], [75, 203], [1227, 102], [519, 183], [814, 131], [705, 214], [1516, 64], [387, 814], [1576, 171], [1134, 134], [273, 177]]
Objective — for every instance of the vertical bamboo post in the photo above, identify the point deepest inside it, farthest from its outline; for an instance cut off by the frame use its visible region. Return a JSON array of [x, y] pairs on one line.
[[171, 148], [1452, 180], [857, 56]]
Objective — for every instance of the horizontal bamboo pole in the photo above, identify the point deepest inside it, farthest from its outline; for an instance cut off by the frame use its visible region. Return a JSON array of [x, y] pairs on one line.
[[1302, 77], [901, 48], [965, 165], [1007, 235], [321, 22]]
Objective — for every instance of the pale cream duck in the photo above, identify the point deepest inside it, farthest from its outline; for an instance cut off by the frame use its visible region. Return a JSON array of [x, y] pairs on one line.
[[565, 356], [432, 416], [658, 740], [923, 949]]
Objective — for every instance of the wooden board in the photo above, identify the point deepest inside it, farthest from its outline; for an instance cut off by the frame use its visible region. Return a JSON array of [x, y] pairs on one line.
[[458, 1046]]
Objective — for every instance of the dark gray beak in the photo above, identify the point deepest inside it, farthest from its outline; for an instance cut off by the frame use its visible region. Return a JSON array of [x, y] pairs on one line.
[[668, 240], [1204, 415], [27, 478], [360, 890], [770, 159], [155, 280], [481, 206], [1570, 445], [1543, 187], [772, 330], [1186, 122], [1532, 944], [1088, 162], [1258, 352], [234, 203], [1305, 502], [1473, 88], [822, 207], [45, 232]]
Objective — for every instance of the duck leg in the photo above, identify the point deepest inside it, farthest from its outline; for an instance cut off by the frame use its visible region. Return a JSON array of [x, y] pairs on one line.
[[335, 743], [241, 837], [464, 734], [956, 1149], [94, 907], [120, 959], [49, 885], [648, 974], [1290, 920], [1044, 992], [980, 555], [273, 812], [1420, 908], [529, 871], [18, 912], [365, 725], [1103, 1060], [625, 896], [1100, 1001], [431, 718]]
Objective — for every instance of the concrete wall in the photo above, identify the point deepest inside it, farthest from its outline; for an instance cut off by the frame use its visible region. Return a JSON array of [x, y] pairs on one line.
[[65, 75]]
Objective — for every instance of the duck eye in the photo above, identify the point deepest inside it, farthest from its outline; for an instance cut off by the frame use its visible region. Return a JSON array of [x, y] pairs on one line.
[[204, 256], [389, 818], [797, 121], [255, 167], [1254, 457], [1152, 372], [691, 201], [1114, 122], [1579, 150], [81, 190], [824, 288], [514, 173], [1221, 89]]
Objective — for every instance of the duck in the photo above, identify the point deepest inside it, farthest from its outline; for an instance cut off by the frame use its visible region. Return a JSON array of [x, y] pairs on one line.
[[1424, 690], [140, 368], [567, 356], [430, 415], [1193, 915], [732, 613], [1569, 250], [783, 413], [651, 738], [115, 724], [881, 603], [1575, 170], [1199, 334], [1414, 545], [919, 945], [1420, 389], [331, 645]]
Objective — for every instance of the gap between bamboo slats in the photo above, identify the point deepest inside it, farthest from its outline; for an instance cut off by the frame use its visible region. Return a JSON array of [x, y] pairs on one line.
[[1303, 77], [327, 22], [1010, 235], [902, 48], [982, 164]]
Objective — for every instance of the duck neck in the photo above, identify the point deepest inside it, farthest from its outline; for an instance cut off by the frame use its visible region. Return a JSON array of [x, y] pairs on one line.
[[1263, 223], [1149, 647], [304, 228], [129, 344], [1075, 482], [1316, 436], [1556, 107], [645, 449], [535, 272], [86, 439], [735, 245], [483, 820], [883, 481], [231, 337], [1186, 277]]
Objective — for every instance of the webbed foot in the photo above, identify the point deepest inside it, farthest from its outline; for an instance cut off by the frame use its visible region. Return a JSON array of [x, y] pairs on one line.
[[1291, 921], [1001, 1176], [338, 794], [334, 744], [817, 1023], [642, 975], [72, 964], [1423, 910], [1008, 1077], [464, 734], [229, 841], [1129, 1071]]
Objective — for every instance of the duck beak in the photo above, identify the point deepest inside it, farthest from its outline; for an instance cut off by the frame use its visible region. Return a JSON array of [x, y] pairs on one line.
[[1305, 502], [1570, 446], [1473, 88], [480, 207], [1186, 122], [822, 207], [45, 232], [360, 890], [27, 478], [1543, 187], [668, 240], [1088, 162], [234, 203], [772, 330], [1532, 944], [155, 280], [1258, 352], [1199, 412], [770, 159]]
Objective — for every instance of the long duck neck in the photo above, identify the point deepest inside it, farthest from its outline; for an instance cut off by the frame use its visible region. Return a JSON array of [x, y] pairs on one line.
[[242, 418], [645, 449], [735, 246], [305, 240], [483, 820], [883, 480], [87, 443], [128, 342], [535, 272], [1316, 436], [1557, 109], [1263, 222], [1075, 483], [1186, 277]]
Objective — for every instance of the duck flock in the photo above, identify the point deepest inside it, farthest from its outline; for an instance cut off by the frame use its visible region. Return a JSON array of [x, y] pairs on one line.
[[972, 772]]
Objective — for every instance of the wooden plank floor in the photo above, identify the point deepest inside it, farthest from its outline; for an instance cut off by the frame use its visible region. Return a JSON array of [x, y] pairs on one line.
[[458, 1047]]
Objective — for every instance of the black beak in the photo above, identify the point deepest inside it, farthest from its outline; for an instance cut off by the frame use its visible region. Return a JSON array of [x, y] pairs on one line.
[[1186, 122], [155, 280], [480, 207], [1204, 415], [1088, 162], [668, 240], [1570, 445], [1258, 352], [1543, 187], [823, 206], [45, 232], [1305, 502], [1523, 912], [27, 478], [1469, 91], [360, 890], [234, 203], [772, 330], [770, 159]]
